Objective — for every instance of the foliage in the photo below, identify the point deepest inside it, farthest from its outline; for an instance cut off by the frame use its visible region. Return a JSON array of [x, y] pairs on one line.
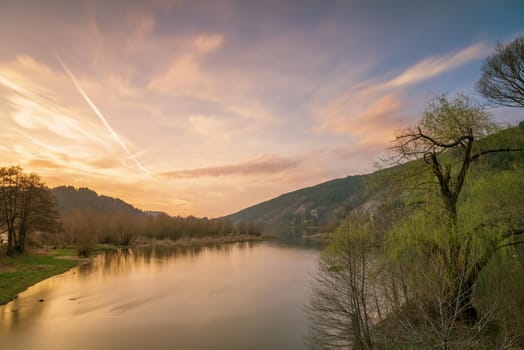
[[459, 236], [443, 222], [26, 206], [502, 80], [441, 268], [308, 210]]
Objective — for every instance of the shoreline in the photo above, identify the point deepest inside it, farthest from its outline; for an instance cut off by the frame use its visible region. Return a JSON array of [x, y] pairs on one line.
[[324, 237], [19, 273], [188, 242]]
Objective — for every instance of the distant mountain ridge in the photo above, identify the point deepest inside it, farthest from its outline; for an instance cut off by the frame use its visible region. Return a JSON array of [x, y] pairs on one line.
[[69, 199]]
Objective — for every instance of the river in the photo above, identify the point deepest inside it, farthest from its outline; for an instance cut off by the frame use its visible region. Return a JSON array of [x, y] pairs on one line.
[[236, 296]]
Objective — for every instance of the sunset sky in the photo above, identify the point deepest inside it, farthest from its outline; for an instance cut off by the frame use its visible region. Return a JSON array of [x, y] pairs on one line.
[[206, 107]]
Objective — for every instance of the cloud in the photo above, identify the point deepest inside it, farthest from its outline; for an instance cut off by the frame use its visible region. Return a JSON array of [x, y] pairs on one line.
[[44, 163], [104, 163], [99, 114], [185, 75], [264, 165], [143, 25], [206, 43], [372, 109], [48, 127], [362, 116], [433, 66]]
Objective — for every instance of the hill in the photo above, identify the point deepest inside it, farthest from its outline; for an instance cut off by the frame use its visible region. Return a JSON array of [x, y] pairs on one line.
[[319, 208], [307, 210], [69, 199]]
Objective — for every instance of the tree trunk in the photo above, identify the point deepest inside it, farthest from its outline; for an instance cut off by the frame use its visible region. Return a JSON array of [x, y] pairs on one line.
[[10, 237], [20, 244], [468, 312], [20, 240], [451, 208]]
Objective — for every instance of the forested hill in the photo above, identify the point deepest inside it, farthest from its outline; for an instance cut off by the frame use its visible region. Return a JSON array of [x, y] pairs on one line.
[[319, 208], [70, 199], [307, 210]]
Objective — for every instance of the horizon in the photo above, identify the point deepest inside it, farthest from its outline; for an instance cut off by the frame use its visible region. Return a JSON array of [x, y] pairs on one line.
[[206, 109]]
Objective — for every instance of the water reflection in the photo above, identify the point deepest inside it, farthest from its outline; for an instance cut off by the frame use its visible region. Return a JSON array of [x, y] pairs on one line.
[[125, 261], [245, 295]]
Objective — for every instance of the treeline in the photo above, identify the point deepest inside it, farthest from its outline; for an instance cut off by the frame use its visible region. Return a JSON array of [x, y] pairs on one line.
[[104, 219], [32, 213], [89, 227]]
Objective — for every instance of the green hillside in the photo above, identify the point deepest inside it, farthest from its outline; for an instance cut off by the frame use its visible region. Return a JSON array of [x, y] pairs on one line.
[[307, 210], [319, 208]]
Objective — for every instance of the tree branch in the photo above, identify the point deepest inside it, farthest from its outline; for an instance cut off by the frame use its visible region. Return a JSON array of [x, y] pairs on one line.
[[441, 144], [500, 150]]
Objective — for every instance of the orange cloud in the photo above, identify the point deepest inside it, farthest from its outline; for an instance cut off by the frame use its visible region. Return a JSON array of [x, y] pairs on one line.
[[206, 43], [184, 76], [43, 163], [372, 109], [256, 167]]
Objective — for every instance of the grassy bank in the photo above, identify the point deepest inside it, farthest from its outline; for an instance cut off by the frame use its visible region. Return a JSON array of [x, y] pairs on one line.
[[198, 241], [22, 271]]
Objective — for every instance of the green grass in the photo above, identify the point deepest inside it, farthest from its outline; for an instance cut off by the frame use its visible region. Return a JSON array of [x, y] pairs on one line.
[[22, 271]]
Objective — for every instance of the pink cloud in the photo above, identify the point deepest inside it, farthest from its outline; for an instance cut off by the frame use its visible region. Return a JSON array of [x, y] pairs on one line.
[[270, 165], [433, 66], [372, 109]]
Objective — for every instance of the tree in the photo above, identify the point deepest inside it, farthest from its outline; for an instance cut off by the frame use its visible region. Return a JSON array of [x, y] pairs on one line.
[[26, 205], [446, 143], [345, 302], [502, 80]]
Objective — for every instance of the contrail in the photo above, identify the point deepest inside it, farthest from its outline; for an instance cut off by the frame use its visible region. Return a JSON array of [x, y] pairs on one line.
[[100, 115]]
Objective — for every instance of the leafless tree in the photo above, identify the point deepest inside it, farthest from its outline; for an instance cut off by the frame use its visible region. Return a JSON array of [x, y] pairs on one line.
[[345, 302], [430, 319], [502, 80]]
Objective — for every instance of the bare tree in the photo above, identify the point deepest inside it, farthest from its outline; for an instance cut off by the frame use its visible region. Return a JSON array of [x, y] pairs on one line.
[[345, 303], [502, 80], [430, 318]]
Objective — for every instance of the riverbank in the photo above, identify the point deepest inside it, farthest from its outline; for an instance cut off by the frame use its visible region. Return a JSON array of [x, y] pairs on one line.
[[322, 237], [197, 241], [22, 271]]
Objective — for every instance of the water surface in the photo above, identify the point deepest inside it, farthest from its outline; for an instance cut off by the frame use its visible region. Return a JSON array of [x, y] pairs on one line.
[[237, 296]]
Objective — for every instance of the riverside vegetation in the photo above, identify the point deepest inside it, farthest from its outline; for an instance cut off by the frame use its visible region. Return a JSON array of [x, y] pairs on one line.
[[433, 258], [48, 229]]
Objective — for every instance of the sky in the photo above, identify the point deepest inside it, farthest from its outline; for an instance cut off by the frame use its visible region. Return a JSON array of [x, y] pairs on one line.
[[207, 107]]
